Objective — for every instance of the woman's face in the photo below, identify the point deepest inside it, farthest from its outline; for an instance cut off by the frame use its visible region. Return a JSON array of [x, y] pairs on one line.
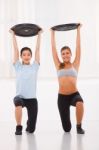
[[26, 56], [66, 55]]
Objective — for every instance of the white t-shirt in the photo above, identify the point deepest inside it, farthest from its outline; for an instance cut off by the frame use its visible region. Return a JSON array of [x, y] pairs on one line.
[[26, 79]]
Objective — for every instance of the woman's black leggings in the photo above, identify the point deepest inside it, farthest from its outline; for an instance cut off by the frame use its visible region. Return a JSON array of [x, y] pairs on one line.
[[32, 110], [64, 103]]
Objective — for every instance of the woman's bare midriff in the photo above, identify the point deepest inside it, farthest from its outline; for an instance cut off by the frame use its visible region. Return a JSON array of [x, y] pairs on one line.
[[67, 85]]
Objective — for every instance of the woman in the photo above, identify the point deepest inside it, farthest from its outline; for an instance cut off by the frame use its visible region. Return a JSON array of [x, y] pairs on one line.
[[26, 80], [67, 77]]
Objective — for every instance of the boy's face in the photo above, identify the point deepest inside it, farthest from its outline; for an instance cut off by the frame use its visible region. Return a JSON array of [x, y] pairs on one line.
[[26, 56]]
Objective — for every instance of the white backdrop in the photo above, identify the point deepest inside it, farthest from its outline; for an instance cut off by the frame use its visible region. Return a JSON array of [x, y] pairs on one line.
[[46, 14]]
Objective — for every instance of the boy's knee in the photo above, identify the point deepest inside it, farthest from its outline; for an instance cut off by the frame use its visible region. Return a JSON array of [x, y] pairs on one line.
[[18, 101]]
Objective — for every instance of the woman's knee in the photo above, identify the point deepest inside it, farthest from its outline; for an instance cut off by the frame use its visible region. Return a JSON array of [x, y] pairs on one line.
[[67, 127], [79, 104]]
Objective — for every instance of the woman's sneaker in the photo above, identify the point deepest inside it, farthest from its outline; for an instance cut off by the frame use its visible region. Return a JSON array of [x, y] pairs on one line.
[[79, 129]]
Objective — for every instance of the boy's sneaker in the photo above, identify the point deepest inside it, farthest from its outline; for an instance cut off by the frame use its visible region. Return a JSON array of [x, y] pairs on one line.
[[18, 130]]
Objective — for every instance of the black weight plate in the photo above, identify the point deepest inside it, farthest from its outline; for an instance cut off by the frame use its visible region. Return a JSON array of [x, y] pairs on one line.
[[26, 29], [65, 27]]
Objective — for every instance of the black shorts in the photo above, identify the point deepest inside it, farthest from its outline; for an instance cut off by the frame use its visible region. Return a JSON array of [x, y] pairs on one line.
[[71, 99], [23, 102], [32, 110], [64, 103]]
